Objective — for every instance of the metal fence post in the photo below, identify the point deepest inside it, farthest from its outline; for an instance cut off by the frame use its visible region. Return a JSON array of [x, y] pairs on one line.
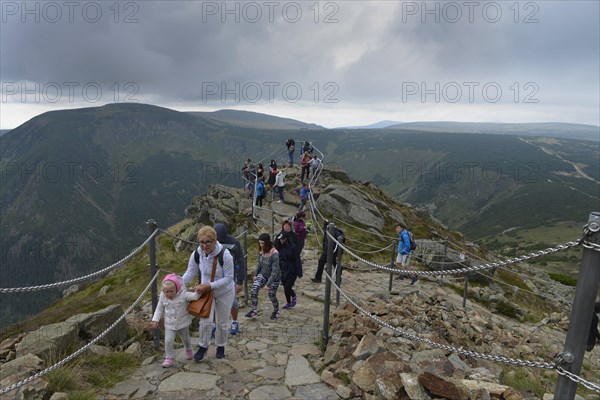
[[327, 299], [392, 263], [441, 282], [152, 225], [466, 284], [338, 274], [582, 310], [273, 224], [245, 227]]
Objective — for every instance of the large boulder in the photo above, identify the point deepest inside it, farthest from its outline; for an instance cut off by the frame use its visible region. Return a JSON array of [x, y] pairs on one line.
[[93, 324], [50, 341], [351, 203]]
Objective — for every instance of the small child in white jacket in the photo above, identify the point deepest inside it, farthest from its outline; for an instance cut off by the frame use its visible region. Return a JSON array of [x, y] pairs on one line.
[[172, 303]]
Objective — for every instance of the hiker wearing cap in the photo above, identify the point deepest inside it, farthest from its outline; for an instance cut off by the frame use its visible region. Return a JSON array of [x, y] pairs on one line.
[[291, 266], [267, 274], [172, 305]]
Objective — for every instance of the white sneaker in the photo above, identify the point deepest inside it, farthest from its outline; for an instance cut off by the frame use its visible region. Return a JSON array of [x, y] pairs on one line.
[[279, 201]]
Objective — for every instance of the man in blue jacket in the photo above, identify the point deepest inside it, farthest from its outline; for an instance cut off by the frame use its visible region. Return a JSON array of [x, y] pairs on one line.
[[239, 265], [404, 251]]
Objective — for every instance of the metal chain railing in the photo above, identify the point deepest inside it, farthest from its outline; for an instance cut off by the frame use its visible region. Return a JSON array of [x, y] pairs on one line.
[[578, 379], [83, 278], [462, 351], [84, 348], [474, 268]]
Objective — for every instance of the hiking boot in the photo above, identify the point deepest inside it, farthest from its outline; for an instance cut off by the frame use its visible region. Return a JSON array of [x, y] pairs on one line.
[[189, 354], [293, 303], [200, 354], [315, 280], [168, 363], [235, 328], [274, 315], [251, 314], [287, 305], [414, 281], [220, 352]]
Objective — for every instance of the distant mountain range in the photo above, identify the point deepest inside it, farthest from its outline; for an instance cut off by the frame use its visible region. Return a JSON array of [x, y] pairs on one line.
[[248, 119], [545, 129], [77, 186], [376, 125]]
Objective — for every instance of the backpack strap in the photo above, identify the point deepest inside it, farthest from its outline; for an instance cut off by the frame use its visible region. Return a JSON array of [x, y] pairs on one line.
[[219, 258]]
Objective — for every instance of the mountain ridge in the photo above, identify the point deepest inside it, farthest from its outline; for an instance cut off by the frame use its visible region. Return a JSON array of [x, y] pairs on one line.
[[78, 185]]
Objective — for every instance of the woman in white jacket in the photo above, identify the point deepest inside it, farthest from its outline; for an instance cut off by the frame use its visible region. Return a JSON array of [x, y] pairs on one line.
[[172, 304], [280, 184], [223, 286]]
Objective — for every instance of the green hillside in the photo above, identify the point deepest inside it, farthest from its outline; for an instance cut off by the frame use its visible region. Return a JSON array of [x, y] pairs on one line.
[[79, 185]]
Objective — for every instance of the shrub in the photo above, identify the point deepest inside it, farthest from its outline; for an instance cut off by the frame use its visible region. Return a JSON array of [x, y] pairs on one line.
[[564, 279]]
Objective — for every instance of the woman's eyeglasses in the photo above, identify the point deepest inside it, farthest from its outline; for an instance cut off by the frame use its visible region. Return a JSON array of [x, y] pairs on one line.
[[205, 242]]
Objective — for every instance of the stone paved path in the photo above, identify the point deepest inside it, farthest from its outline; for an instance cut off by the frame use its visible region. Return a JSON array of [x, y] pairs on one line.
[[266, 360]]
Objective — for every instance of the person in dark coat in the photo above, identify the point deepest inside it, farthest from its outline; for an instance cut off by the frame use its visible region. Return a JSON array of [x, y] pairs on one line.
[[339, 236], [286, 226], [594, 335], [239, 269], [291, 267]]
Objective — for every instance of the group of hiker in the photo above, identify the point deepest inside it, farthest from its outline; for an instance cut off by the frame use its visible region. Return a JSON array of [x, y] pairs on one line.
[[219, 265], [257, 180]]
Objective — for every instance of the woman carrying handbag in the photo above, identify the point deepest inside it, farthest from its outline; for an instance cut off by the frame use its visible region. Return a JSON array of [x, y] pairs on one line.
[[222, 285]]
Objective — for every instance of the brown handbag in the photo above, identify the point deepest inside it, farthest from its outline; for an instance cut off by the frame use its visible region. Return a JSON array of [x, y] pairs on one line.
[[201, 307]]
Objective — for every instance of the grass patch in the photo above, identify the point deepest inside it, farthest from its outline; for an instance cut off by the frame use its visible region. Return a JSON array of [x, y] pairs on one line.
[[106, 371], [522, 379], [564, 279]]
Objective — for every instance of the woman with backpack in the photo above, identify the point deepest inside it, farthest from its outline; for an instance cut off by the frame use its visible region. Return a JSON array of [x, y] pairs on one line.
[[404, 251], [212, 254]]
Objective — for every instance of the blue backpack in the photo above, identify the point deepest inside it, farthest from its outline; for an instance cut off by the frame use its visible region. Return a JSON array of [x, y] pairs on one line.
[[260, 189]]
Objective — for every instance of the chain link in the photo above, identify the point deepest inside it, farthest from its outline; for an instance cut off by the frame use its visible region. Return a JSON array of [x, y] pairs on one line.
[[83, 278], [578, 379], [84, 348], [590, 245]]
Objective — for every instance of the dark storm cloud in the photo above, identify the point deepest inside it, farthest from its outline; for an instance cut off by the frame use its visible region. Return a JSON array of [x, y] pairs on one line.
[[170, 50]]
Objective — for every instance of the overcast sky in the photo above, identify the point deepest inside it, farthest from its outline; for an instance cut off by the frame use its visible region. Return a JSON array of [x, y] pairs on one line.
[[334, 63]]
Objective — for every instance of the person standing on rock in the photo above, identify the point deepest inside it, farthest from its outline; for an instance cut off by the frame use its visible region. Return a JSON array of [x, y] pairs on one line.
[[305, 163], [267, 274], [404, 252], [300, 230], [223, 287], [239, 267], [172, 304], [291, 267], [290, 144], [339, 236], [280, 184]]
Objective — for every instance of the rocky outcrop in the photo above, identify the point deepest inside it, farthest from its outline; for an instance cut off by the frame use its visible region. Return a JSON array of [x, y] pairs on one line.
[[41, 348]]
